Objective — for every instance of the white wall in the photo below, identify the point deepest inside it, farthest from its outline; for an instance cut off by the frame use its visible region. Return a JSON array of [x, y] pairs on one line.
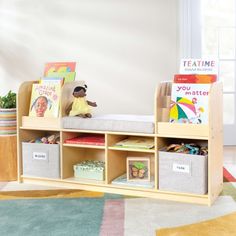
[[123, 47]]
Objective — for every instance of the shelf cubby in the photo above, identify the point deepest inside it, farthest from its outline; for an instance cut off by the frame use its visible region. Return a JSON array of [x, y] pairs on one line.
[[74, 155], [70, 135]]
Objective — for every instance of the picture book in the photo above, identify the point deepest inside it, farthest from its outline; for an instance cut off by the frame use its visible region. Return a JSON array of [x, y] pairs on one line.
[[189, 103], [45, 100], [95, 139], [68, 76], [195, 79], [59, 67], [136, 142]]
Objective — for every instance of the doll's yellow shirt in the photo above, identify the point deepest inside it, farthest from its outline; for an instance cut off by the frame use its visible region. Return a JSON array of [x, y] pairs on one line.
[[79, 106]]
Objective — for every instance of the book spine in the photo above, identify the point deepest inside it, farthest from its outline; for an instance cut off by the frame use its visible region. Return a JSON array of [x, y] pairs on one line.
[[195, 79], [84, 143]]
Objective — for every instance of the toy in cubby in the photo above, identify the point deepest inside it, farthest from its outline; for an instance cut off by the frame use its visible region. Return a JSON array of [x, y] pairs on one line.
[[51, 139]]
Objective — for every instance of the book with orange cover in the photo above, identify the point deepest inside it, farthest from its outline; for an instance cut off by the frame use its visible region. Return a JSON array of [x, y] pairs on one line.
[[59, 67], [195, 79]]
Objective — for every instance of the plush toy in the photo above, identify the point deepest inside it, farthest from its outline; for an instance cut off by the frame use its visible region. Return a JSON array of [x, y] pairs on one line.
[[54, 139], [80, 106]]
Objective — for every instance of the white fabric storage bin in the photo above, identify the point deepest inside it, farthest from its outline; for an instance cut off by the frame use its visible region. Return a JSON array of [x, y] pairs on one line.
[[41, 160], [180, 172]]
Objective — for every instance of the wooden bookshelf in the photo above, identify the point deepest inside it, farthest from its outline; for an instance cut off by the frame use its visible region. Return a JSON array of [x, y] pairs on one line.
[[115, 157]]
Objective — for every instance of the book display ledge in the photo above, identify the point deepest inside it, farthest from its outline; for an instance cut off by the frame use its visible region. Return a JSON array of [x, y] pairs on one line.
[[65, 156]]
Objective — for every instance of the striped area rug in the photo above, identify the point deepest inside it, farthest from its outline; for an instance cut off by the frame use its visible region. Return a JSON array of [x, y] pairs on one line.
[[61, 212], [76, 212], [80, 213]]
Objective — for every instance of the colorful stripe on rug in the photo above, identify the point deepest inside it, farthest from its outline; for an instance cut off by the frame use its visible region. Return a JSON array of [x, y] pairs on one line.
[[228, 177], [113, 218]]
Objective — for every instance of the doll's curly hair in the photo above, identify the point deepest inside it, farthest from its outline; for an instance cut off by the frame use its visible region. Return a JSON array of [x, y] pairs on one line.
[[78, 88]]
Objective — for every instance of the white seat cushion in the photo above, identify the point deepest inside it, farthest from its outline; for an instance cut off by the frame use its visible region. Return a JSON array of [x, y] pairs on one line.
[[115, 123]]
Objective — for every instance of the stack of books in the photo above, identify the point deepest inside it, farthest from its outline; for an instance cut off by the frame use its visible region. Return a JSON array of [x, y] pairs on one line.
[[94, 139], [190, 91], [45, 96]]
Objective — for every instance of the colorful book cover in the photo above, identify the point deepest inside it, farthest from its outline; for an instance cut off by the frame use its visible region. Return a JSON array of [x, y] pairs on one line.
[[195, 79], [59, 67], [68, 76], [45, 100], [189, 103], [87, 140]]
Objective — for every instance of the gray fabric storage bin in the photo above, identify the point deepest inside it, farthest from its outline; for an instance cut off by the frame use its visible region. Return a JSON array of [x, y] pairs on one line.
[[180, 172], [41, 160]]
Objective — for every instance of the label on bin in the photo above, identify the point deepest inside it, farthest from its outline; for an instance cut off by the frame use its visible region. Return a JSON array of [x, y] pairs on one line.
[[181, 168], [40, 156]]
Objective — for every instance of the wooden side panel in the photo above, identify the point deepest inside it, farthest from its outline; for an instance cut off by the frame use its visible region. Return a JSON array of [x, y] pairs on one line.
[[215, 157], [156, 164], [23, 100], [23, 103], [162, 103], [61, 153], [8, 158]]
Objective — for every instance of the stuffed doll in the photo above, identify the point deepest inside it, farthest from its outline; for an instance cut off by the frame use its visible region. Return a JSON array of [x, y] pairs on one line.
[[80, 106]]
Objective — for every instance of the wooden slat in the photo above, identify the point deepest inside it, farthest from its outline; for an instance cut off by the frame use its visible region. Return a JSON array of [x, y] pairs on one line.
[[41, 122], [181, 130], [132, 149]]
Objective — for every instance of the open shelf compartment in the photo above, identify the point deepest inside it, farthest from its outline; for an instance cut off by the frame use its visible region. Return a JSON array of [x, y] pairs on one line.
[[72, 156], [117, 162]]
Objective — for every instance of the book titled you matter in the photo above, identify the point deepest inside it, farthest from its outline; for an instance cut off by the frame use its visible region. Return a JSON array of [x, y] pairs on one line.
[[189, 103]]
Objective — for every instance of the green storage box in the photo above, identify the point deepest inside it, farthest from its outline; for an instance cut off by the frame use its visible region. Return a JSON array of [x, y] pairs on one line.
[[90, 170]]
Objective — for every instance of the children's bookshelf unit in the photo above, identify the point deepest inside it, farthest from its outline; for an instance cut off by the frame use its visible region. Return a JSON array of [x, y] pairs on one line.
[[114, 157]]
